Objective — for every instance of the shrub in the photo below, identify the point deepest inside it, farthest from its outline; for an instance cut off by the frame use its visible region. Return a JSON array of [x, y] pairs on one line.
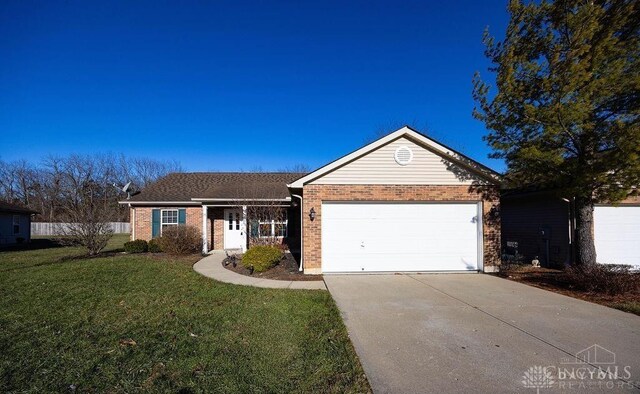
[[19, 240], [262, 257], [512, 262], [602, 278], [177, 240], [154, 246], [137, 246]]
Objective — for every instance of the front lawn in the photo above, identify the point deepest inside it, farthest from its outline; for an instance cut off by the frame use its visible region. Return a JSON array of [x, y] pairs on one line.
[[128, 323]]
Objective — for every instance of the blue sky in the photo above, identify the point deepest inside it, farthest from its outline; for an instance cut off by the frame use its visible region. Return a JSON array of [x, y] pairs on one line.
[[238, 85]]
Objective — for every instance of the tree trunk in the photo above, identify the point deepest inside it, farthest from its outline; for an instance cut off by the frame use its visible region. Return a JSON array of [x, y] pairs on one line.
[[584, 244]]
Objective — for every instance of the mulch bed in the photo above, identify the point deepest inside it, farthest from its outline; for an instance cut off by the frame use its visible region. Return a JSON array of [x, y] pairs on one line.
[[556, 281], [286, 269]]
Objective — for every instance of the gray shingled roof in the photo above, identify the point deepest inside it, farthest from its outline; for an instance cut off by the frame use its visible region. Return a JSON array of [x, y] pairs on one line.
[[227, 185], [15, 208]]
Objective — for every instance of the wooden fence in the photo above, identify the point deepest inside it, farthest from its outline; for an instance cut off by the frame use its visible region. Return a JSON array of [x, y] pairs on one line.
[[44, 228]]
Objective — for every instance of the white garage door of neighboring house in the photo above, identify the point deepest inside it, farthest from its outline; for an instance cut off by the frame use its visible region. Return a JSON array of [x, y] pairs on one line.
[[617, 234], [396, 237]]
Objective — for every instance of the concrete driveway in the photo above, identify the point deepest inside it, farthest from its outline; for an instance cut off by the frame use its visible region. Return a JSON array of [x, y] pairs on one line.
[[478, 333]]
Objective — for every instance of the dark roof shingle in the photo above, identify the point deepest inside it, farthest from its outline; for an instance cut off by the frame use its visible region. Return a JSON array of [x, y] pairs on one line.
[[183, 186], [15, 208]]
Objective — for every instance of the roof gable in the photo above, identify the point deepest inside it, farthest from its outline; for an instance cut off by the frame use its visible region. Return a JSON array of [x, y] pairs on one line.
[[421, 166], [432, 163]]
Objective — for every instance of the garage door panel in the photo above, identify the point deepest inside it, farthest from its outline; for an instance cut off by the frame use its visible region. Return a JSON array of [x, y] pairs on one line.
[[401, 262], [617, 234], [375, 237]]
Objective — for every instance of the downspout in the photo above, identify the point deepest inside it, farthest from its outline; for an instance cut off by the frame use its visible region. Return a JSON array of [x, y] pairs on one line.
[[572, 226], [132, 212], [301, 233]]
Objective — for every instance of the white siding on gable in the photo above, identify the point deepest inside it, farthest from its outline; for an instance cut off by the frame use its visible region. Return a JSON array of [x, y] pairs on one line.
[[379, 167]]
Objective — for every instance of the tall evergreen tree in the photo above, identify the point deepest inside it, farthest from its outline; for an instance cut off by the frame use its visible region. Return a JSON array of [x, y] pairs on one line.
[[566, 114]]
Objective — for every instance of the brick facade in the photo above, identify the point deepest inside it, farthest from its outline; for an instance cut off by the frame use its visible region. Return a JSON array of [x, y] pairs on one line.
[[215, 224], [315, 194], [143, 219], [217, 234]]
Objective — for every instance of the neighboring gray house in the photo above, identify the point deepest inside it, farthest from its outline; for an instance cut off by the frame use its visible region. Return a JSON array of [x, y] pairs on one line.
[[541, 224], [15, 224], [536, 224]]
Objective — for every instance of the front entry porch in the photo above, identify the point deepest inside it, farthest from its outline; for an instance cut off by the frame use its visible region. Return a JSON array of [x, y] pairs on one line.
[[236, 227], [224, 228]]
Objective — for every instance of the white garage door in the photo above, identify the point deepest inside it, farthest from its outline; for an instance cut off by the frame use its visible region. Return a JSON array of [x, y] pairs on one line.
[[617, 234], [396, 237]]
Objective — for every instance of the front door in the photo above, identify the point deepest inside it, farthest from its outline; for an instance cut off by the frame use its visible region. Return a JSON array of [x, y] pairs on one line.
[[233, 233]]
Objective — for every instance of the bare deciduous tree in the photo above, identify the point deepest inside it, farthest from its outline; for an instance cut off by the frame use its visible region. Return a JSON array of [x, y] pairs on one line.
[[43, 187], [266, 214], [299, 168], [267, 222], [86, 205], [16, 181], [81, 191]]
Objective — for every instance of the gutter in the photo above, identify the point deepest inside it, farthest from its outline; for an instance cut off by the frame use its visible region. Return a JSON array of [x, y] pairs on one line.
[[241, 199], [301, 233], [195, 203]]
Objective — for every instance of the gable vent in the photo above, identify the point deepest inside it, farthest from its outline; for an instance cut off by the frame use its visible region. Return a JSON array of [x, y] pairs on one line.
[[403, 155]]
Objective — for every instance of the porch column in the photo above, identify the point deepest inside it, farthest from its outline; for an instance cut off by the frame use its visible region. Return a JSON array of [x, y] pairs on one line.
[[205, 211], [244, 228]]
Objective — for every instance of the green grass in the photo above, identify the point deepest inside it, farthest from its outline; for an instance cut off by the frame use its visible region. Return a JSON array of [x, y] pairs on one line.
[[627, 306], [69, 320]]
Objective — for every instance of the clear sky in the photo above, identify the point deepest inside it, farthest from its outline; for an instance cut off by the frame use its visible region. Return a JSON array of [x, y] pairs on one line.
[[223, 86]]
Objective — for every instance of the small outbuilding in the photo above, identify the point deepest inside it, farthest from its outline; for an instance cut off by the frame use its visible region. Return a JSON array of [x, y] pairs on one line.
[[15, 224]]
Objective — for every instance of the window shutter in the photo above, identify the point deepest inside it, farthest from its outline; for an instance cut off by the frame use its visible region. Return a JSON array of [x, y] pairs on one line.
[[253, 228], [155, 223], [182, 216]]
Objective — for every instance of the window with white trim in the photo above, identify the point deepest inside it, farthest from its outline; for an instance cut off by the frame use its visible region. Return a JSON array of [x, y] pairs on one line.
[[230, 220], [16, 224], [168, 217], [269, 228]]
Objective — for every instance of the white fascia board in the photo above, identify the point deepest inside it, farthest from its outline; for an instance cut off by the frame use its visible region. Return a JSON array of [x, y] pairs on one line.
[[159, 202], [459, 158], [252, 205], [298, 184], [485, 172], [241, 199]]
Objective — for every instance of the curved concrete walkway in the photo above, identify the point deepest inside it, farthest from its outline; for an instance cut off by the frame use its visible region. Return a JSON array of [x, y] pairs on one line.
[[211, 267]]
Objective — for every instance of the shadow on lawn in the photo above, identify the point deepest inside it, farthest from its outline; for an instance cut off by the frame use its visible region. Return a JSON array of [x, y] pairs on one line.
[[49, 243], [87, 256], [35, 244]]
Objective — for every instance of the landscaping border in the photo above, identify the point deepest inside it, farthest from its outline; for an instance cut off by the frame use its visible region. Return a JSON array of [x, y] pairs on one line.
[[211, 267]]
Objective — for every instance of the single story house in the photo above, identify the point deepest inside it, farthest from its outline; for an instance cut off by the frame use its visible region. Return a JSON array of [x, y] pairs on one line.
[[401, 203], [404, 202], [15, 224], [541, 224], [219, 204]]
